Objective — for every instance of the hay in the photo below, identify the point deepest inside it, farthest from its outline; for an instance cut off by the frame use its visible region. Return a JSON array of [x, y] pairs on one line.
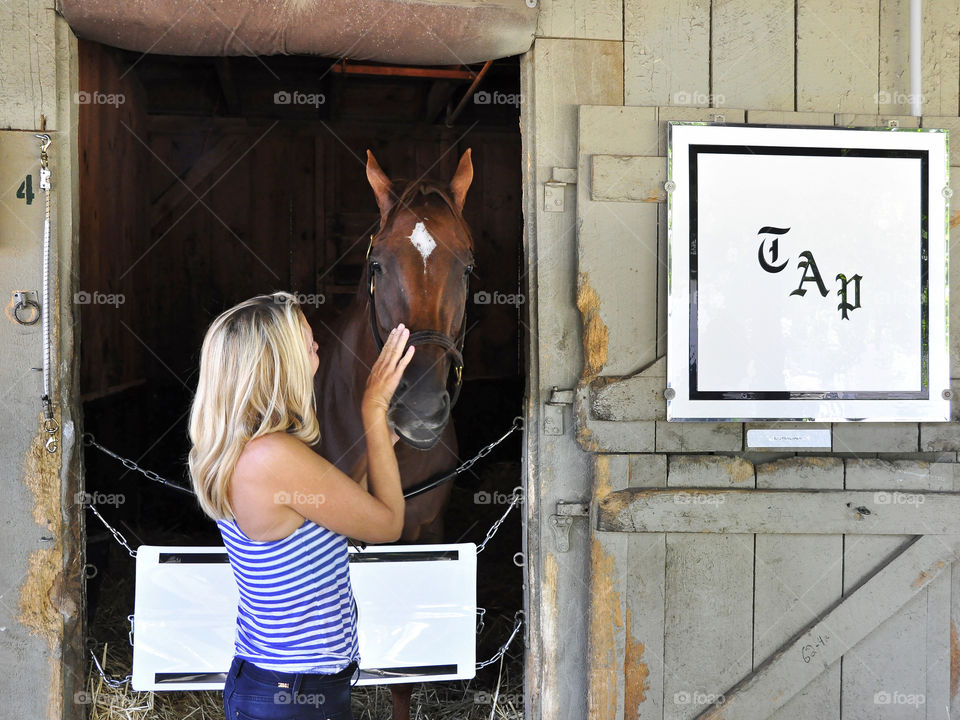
[[118, 701]]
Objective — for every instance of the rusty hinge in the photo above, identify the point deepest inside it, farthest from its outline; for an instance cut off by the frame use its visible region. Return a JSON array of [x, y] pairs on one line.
[[561, 522]]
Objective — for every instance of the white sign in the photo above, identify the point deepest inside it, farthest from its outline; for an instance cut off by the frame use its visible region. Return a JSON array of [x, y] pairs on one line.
[[807, 274], [416, 605]]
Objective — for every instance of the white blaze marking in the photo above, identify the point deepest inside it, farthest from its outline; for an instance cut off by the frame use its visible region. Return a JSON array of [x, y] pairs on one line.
[[423, 241]]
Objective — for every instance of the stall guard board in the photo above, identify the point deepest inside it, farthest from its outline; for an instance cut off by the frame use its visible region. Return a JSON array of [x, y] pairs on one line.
[[416, 605], [705, 600]]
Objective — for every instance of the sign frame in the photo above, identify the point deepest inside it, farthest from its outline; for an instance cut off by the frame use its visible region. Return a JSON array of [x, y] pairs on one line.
[[705, 380]]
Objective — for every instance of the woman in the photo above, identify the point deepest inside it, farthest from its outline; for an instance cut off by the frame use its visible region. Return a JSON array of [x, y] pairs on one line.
[[284, 511]]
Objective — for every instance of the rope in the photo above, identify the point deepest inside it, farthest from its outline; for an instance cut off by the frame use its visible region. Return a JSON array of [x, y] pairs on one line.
[[50, 424]]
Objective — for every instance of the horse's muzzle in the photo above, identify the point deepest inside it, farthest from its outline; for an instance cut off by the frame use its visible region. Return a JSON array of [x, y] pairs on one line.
[[414, 429]]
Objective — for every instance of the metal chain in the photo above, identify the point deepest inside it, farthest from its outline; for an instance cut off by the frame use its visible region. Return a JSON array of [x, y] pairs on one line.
[[112, 682], [435, 481], [486, 450], [517, 622], [517, 496], [117, 535], [88, 440]]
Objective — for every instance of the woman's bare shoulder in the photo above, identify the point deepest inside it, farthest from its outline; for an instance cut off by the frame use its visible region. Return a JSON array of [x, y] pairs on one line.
[[267, 450], [274, 450]]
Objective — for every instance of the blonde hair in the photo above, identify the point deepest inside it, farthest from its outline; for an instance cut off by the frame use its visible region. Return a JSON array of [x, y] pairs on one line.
[[255, 378]]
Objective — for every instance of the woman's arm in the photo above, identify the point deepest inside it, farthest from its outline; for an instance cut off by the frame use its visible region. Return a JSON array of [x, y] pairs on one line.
[[299, 479]]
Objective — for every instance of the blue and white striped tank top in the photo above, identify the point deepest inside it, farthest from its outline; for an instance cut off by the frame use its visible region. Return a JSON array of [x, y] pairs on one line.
[[296, 611]]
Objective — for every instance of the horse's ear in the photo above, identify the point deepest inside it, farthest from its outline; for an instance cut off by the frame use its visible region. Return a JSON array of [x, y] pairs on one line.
[[382, 187], [461, 180]]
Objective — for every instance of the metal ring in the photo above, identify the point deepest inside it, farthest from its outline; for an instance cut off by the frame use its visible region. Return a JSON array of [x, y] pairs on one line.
[[22, 304], [51, 425], [522, 559], [86, 571], [518, 491]]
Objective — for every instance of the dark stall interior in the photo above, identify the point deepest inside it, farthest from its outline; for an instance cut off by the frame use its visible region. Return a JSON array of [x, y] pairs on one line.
[[207, 180]]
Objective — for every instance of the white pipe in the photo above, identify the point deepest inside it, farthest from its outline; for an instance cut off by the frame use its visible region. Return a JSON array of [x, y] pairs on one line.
[[916, 57]]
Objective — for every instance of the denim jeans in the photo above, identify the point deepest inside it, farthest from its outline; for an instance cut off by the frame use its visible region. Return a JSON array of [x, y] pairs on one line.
[[252, 693]]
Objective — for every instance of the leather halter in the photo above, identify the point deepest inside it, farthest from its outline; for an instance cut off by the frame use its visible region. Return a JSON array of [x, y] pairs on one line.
[[422, 337]]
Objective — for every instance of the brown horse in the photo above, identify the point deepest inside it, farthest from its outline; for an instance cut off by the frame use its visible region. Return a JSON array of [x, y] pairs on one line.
[[418, 265]]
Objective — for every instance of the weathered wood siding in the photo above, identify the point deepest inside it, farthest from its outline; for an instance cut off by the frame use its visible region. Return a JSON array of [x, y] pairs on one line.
[[672, 619]]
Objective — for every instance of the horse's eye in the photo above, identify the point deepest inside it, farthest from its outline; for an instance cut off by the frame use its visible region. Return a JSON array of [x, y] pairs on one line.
[[375, 267], [468, 269]]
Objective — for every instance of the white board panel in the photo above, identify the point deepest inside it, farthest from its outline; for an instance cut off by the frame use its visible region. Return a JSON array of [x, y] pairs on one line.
[[416, 604], [808, 274]]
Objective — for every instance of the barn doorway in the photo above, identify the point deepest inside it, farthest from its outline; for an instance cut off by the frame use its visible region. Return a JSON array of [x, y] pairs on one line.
[[205, 181]]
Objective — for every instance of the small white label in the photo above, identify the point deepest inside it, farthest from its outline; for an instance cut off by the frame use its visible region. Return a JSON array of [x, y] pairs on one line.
[[788, 438]]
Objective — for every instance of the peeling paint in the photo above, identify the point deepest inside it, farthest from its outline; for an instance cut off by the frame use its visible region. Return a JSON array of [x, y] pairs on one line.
[[715, 468], [601, 480], [927, 575], [596, 336], [605, 618], [550, 683], [635, 674]]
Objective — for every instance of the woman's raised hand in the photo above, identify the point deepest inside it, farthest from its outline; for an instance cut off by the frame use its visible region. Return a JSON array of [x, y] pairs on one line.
[[387, 370]]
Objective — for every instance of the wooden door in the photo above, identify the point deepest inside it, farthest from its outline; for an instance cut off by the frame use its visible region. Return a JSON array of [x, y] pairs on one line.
[[725, 583]]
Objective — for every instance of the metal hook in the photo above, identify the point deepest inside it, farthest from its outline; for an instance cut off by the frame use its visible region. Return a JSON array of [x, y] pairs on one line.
[[45, 142]]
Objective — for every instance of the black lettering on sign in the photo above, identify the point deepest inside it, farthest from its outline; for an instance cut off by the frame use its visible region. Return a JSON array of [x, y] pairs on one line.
[[25, 192], [844, 305], [770, 267], [810, 274]]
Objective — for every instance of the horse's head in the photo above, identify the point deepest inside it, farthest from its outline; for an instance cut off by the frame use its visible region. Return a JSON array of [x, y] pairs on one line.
[[418, 267]]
